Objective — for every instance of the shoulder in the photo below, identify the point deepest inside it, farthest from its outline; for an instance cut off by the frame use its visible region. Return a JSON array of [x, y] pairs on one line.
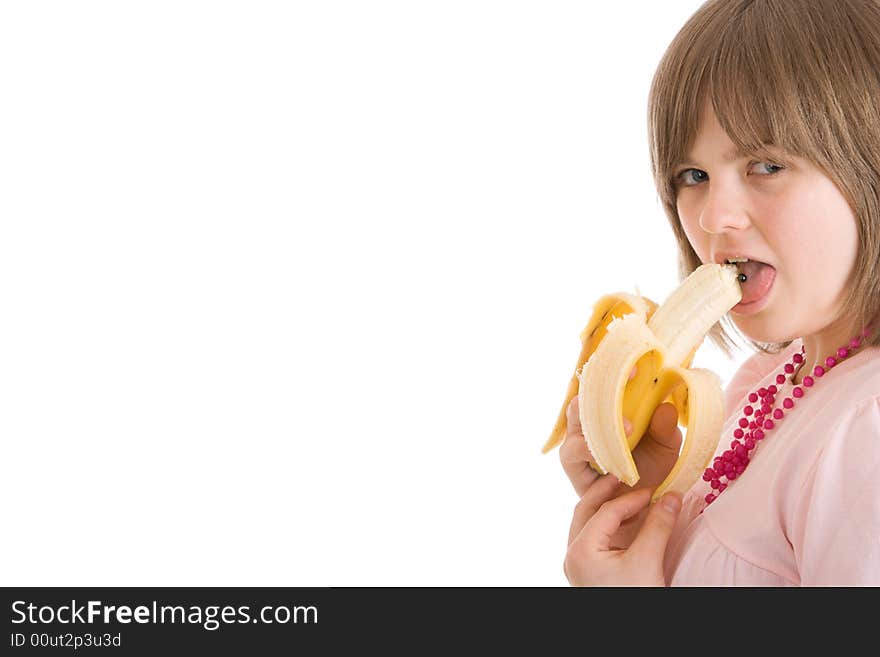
[[836, 519], [849, 414], [850, 392], [860, 380], [855, 438], [848, 401]]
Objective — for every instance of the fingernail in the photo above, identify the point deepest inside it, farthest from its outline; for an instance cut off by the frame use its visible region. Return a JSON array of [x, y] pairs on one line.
[[627, 426], [632, 374], [671, 502]]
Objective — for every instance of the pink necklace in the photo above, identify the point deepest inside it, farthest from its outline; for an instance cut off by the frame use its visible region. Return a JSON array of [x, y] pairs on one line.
[[756, 422]]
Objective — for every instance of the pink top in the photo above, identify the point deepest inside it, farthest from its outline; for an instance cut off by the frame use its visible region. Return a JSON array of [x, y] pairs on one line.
[[806, 512]]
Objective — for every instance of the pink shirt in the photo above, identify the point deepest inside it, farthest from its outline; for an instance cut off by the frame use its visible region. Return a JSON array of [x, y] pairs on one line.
[[806, 512]]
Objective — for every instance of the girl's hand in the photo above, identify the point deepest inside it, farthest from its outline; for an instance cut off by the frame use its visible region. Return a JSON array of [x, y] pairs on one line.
[[654, 457], [591, 559]]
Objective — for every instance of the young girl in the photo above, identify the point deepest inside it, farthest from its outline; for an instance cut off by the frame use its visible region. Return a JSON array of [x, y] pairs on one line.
[[764, 123]]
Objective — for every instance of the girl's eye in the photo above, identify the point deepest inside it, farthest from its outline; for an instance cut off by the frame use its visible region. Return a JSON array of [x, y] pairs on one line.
[[690, 177], [766, 168]]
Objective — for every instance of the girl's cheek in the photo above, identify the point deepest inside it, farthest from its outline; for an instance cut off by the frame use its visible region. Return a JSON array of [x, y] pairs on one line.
[[697, 238], [688, 215]]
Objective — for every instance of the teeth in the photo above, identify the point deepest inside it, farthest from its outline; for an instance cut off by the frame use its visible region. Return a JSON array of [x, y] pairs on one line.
[[733, 261]]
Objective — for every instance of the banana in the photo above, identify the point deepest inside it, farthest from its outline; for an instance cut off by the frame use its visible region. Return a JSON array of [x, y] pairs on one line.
[[629, 330]]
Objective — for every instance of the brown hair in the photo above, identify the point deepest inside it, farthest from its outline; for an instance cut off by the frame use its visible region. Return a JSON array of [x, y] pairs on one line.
[[803, 75]]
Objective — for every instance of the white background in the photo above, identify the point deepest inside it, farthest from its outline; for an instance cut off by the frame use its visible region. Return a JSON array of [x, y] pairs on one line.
[[291, 292]]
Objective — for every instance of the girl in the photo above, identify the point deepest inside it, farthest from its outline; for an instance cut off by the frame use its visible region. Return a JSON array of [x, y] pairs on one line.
[[765, 144]]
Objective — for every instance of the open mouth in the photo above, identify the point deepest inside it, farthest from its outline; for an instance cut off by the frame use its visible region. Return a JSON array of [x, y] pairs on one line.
[[756, 278]]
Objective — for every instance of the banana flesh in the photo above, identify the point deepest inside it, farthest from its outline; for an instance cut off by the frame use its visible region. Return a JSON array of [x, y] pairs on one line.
[[627, 330]]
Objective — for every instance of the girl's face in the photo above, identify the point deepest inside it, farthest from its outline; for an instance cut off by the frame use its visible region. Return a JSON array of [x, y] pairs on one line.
[[785, 213]]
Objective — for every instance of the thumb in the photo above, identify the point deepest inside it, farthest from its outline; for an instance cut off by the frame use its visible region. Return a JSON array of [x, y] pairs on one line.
[[664, 426], [655, 532]]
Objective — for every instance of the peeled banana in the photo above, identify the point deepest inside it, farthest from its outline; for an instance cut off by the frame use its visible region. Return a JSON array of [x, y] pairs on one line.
[[628, 330]]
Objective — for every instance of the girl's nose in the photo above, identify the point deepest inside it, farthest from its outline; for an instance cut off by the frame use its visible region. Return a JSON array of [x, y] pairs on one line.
[[724, 208]]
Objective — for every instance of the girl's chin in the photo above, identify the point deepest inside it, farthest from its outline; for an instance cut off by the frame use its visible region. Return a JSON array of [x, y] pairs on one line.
[[757, 330]]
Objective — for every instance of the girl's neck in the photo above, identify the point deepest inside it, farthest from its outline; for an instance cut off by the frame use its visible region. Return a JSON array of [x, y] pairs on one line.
[[821, 345]]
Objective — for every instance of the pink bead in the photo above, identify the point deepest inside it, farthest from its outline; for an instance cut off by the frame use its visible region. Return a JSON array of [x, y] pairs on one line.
[[710, 498], [818, 371], [788, 403], [750, 444], [780, 378], [773, 389], [732, 475], [798, 359], [727, 455], [743, 422], [715, 483], [738, 433], [722, 487], [753, 397], [789, 369], [843, 352], [808, 381], [778, 414], [748, 410], [830, 362], [855, 343], [757, 434], [768, 424], [740, 468], [765, 409], [762, 392], [798, 391], [741, 451], [709, 475]]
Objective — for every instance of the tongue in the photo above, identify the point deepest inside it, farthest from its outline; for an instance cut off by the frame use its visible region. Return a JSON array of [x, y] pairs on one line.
[[760, 278]]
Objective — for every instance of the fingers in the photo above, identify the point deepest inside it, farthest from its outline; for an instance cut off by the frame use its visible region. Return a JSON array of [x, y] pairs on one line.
[[599, 493], [574, 453], [664, 426], [599, 529], [655, 533]]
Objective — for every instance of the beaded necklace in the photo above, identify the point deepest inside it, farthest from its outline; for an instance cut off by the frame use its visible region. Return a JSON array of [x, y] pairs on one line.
[[756, 422]]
